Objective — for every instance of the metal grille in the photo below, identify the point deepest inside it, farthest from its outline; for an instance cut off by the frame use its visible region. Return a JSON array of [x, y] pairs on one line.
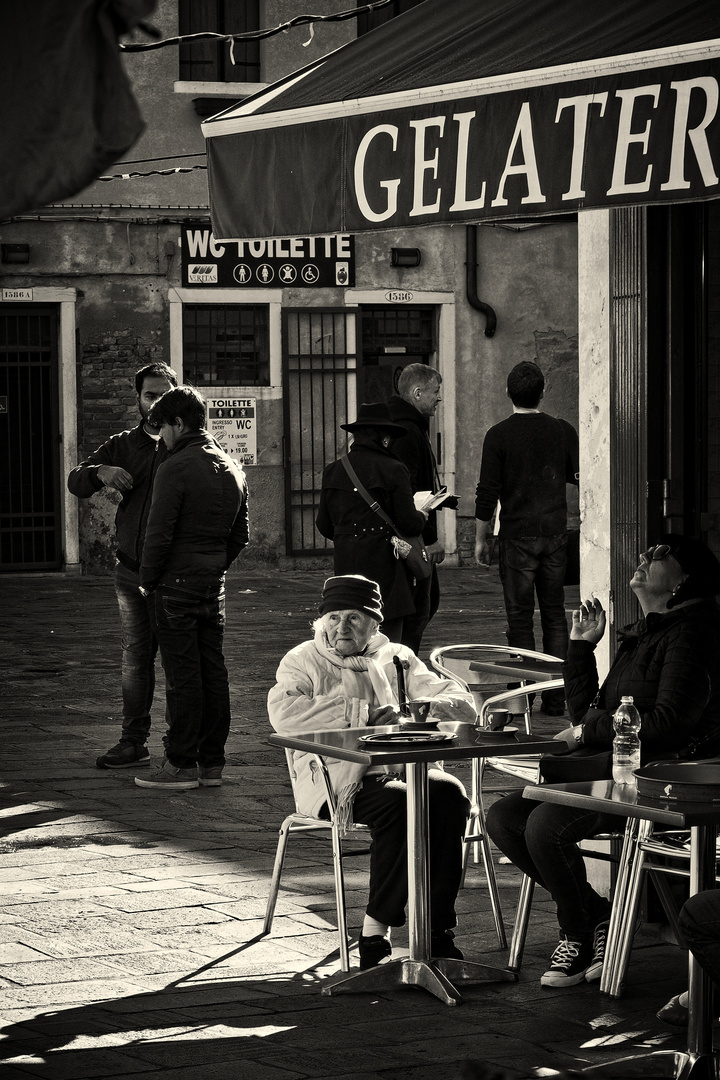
[[29, 437], [319, 376], [208, 60], [226, 345]]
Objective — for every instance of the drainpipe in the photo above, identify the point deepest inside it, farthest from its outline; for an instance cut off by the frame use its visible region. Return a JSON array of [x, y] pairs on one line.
[[471, 286]]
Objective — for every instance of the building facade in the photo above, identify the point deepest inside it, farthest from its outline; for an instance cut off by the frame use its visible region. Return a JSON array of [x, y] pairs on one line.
[[284, 338]]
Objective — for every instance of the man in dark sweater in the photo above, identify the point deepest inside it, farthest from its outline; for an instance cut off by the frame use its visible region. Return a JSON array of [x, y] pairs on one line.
[[127, 463], [413, 407], [526, 462]]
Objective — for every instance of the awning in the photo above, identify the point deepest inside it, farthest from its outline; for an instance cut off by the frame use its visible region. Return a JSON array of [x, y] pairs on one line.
[[474, 110]]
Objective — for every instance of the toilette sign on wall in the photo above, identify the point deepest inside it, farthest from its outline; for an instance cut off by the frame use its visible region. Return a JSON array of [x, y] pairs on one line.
[[232, 423], [294, 262]]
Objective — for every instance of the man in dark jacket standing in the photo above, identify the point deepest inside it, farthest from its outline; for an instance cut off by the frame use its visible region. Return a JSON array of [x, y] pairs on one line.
[[128, 463], [198, 525], [527, 460], [413, 407]]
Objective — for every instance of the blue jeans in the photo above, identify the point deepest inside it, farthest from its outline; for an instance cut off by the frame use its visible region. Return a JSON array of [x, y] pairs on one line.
[[530, 565], [541, 840], [382, 804], [190, 631], [139, 649]]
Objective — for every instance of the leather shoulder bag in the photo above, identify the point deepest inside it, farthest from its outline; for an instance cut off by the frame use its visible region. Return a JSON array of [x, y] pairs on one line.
[[409, 548]]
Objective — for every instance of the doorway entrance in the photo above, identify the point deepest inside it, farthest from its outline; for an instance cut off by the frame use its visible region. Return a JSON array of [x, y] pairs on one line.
[[683, 392], [391, 338], [30, 514], [326, 373]]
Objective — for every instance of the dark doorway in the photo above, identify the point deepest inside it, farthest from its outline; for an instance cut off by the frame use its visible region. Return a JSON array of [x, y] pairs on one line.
[[30, 527], [392, 337], [683, 393]]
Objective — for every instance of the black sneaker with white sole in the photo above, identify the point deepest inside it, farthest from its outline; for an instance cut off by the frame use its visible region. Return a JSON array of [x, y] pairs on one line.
[[568, 963], [600, 933]]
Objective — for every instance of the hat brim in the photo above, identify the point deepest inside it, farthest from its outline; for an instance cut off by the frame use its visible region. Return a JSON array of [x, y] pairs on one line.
[[359, 425]]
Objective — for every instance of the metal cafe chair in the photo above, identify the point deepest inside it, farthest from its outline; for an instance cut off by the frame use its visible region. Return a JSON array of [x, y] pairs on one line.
[[462, 663], [643, 846], [298, 822]]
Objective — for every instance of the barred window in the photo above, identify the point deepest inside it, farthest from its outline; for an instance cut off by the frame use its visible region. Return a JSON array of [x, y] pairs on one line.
[[207, 60], [226, 344]]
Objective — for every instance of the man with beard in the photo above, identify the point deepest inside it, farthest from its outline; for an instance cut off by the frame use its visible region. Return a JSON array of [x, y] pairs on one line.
[[128, 463]]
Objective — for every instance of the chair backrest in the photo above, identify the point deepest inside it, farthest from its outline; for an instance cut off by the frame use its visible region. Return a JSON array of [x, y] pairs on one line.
[[325, 777], [347, 827], [454, 662]]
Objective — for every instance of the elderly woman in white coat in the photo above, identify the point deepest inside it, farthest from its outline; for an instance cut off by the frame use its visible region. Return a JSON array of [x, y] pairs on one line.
[[345, 676]]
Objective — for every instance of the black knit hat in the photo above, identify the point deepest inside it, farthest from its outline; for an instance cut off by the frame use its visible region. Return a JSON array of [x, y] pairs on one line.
[[701, 566], [375, 415], [352, 592]]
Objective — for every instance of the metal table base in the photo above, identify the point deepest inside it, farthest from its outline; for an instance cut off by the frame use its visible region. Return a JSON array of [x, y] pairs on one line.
[[436, 976]]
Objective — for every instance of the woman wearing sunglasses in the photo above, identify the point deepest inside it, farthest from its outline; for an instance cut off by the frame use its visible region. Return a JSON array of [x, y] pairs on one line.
[[669, 662]]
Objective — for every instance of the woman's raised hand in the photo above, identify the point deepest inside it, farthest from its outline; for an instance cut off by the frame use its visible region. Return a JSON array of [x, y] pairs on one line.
[[588, 622]]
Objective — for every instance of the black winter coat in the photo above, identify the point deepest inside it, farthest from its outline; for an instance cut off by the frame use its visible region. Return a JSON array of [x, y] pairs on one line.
[[670, 663], [415, 450], [362, 539], [140, 455], [198, 522]]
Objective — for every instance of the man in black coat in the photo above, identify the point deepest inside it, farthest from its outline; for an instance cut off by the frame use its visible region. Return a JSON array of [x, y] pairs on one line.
[[412, 407]]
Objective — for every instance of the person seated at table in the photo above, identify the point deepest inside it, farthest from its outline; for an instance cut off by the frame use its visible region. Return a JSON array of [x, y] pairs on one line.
[[699, 923], [670, 663], [344, 676]]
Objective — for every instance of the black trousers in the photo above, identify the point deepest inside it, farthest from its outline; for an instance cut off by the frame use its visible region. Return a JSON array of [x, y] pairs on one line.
[[382, 804]]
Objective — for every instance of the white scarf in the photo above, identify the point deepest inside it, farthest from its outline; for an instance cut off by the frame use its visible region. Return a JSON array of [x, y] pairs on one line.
[[362, 676]]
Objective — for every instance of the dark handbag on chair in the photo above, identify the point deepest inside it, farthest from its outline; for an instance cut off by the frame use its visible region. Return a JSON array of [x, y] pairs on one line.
[[409, 548]]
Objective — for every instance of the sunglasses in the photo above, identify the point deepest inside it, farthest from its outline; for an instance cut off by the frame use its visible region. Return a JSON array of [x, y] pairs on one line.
[[657, 553]]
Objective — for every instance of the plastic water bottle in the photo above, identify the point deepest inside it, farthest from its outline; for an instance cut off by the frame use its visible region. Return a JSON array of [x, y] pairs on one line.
[[626, 744]]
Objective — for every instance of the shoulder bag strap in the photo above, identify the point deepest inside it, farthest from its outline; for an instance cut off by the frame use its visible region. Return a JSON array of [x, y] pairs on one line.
[[372, 503], [436, 474]]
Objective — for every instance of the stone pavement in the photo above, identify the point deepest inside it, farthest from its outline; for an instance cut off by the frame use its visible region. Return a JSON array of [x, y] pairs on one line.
[[130, 919]]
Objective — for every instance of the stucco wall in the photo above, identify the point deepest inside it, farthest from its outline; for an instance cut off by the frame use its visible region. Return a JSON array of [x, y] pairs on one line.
[[529, 277]]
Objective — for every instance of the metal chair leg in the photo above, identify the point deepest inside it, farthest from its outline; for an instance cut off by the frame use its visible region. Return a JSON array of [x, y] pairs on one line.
[[627, 857], [340, 898], [489, 868], [522, 919], [283, 837], [626, 901], [667, 900]]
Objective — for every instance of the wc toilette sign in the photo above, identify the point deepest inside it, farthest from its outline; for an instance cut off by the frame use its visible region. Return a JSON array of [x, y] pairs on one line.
[[232, 423], [291, 262]]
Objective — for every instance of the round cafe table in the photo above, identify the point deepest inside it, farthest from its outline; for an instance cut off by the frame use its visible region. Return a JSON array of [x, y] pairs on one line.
[[463, 741]]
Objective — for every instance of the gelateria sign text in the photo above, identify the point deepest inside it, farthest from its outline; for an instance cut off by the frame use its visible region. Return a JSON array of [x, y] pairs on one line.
[[647, 136], [298, 262]]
